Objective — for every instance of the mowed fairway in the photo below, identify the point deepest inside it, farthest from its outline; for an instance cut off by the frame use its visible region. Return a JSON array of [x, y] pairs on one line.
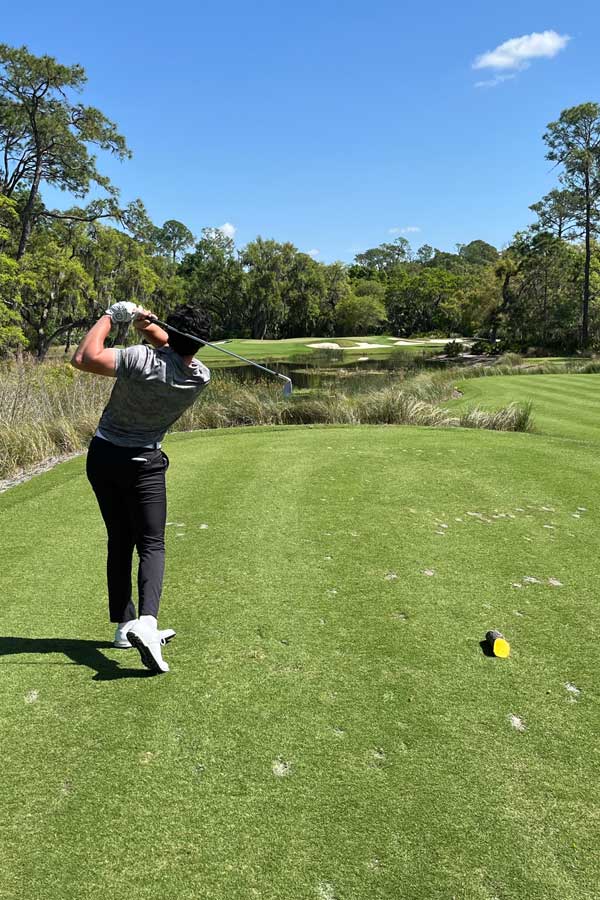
[[566, 405], [331, 728]]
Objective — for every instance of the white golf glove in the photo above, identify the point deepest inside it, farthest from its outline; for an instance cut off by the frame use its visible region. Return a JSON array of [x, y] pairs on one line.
[[123, 311]]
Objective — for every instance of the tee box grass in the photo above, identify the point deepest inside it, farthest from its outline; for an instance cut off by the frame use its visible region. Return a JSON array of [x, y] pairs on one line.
[[330, 727]]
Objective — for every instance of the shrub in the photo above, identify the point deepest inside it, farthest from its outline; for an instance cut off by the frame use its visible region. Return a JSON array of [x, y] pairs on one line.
[[454, 348]]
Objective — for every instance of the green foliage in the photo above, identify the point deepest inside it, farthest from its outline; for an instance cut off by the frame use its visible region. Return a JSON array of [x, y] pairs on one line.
[[359, 314], [45, 133], [454, 348], [11, 332], [174, 237]]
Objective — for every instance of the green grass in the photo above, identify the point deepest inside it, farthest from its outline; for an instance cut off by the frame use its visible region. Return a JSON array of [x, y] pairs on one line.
[[565, 405], [298, 647]]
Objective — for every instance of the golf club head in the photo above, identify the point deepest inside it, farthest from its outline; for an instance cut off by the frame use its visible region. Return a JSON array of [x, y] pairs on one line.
[[287, 389]]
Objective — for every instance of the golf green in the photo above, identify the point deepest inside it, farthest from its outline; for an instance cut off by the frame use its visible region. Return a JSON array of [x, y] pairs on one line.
[[331, 727]]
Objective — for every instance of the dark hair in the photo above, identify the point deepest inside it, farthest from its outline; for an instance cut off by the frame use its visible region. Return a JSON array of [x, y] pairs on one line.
[[192, 320]]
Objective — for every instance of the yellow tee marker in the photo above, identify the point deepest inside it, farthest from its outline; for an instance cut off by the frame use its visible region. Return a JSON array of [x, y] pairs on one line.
[[498, 644]]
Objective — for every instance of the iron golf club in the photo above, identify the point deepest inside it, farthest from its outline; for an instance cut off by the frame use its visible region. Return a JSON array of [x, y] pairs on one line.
[[287, 387]]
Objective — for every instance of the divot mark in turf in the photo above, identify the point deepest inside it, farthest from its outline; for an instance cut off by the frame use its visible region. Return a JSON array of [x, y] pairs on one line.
[[339, 732], [531, 579], [147, 757], [32, 696], [377, 758], [204, 526], [332, 592], [554, 582], [281, 768], [66, 788], [429, 572], [326, 891], [573, 691], [400, 616], [374, 863], [517, 722], [391, 576]]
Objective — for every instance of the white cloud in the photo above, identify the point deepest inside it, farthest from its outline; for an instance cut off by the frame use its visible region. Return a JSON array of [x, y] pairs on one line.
[[494, 82], [228, 230], [408, 229], [518, 52], [313, 252]]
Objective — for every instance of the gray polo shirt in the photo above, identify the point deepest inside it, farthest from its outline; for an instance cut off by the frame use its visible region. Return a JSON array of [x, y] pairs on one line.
[[152, 390]]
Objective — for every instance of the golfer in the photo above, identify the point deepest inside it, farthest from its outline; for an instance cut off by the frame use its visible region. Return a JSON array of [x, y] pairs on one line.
[[125, 464]]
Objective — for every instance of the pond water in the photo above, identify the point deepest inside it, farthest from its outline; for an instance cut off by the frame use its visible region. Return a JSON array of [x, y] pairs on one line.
[[324, 369]]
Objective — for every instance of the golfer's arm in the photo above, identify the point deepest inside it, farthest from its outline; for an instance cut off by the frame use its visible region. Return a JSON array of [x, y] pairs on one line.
[[154, 334], [91, 354]]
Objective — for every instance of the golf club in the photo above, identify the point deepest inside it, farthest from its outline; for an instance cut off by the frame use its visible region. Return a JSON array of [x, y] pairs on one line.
[[287, 387]]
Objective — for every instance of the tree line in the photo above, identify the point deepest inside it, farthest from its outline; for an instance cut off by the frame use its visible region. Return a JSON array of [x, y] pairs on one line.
[[59, 269]]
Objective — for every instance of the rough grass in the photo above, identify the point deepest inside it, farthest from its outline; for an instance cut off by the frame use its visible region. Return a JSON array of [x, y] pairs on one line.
[[330, 727]]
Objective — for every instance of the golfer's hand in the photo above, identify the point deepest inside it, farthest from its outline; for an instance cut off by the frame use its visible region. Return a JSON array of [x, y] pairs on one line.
[[122, 311], [142, 319]]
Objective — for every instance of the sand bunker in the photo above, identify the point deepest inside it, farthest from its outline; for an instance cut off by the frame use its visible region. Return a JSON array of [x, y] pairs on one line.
[[400, 342], [325, 346]]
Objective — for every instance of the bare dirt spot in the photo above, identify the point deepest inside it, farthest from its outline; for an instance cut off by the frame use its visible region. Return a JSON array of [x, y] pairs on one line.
[[573, 691], [32, 696], [326, 891]]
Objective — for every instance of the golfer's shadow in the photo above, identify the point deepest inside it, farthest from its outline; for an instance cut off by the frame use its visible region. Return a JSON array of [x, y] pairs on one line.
[[82, 653]]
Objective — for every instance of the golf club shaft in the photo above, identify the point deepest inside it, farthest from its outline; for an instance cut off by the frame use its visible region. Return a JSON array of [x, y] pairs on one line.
[[192, 337]]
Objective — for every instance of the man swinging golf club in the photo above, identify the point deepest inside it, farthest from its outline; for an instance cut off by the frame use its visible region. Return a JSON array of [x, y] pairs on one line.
[[125, 464]]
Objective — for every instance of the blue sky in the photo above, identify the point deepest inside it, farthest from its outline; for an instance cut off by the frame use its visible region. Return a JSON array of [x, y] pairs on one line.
[[334, 125]]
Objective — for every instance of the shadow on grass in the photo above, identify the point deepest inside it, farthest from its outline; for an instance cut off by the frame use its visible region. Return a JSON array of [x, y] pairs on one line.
[[485, 647], [82, 653]]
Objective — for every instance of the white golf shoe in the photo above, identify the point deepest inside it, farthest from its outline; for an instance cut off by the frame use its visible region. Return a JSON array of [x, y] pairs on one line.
[[122, 642], [149, 643]]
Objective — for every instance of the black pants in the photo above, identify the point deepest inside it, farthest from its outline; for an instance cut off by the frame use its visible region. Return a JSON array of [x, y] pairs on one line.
[[133, 502]]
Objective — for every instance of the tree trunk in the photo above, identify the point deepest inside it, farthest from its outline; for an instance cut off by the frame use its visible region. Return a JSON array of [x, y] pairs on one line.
[[585, 313], [28, 211]]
